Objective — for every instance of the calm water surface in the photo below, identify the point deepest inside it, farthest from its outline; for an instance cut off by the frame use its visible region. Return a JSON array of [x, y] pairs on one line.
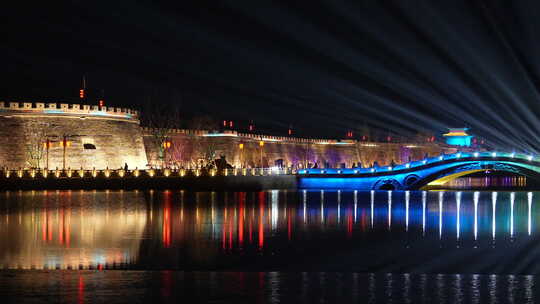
[[270, 246]]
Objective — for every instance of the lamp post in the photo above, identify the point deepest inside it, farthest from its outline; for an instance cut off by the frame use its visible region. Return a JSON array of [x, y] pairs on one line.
[[47, 146], [166, 145], [261, 144], [64, 143], [241, 148]]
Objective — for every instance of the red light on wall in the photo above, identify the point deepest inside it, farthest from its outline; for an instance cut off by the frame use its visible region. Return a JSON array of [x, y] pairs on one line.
[[81, 93], [349, 134], [289, 132], [101, 102], [230, 124], [224, 123], [251, 127], [364, 137], [389, 138]]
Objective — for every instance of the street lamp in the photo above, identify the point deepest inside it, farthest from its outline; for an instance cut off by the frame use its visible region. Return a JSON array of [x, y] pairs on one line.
[[241, 147], [166, 145], [47, 145], [261, 144], [64, 144]]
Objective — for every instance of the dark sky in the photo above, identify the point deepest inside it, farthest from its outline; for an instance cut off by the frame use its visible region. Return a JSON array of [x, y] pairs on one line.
[[325, 67]]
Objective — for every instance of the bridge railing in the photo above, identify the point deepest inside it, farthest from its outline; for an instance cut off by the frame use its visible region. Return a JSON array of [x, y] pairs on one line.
[[136, 173], [423, 162]]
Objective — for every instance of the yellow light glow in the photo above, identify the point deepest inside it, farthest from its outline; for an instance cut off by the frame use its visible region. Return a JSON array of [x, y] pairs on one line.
[[456, 134], [241, 146], [261, 143], [445, 179]]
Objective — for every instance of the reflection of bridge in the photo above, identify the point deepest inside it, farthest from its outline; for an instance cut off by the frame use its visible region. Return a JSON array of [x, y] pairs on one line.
[[415, 175]]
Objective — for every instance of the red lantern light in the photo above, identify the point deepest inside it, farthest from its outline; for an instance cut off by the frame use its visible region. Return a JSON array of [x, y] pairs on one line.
[[81, 93]]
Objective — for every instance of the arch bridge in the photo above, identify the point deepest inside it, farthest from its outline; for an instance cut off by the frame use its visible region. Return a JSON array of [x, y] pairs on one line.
[[415, 175]]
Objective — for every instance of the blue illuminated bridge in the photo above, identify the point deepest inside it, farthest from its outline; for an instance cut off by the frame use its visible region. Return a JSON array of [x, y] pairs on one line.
[[415, 175]]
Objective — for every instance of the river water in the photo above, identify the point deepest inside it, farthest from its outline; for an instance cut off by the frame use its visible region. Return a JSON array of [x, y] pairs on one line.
[[270, 246]]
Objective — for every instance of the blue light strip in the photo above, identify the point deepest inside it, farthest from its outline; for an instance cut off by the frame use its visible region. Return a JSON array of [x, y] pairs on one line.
[[417, 164]]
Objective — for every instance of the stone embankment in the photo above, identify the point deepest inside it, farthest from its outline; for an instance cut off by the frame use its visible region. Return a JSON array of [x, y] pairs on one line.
[[230, 179]]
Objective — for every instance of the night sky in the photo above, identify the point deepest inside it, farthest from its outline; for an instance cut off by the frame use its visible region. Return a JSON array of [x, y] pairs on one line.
[[324, 67]]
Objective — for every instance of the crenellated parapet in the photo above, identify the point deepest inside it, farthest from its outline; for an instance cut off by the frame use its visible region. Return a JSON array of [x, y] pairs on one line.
[[65, 109], [254, 137]]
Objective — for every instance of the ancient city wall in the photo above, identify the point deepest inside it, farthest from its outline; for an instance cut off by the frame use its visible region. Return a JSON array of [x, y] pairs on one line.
[[108, 137], [97, 137], [190, 147]]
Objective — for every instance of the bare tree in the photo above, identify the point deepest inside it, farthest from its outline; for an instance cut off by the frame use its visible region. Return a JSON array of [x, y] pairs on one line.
[[35, 144], [160, 120], [207, 149], [181, 152]]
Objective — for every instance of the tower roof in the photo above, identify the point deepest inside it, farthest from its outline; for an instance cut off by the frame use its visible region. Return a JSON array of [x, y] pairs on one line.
[[457, 132]]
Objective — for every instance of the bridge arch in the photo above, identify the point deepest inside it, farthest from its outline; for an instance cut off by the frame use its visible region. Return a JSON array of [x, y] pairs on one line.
[[387, 184]]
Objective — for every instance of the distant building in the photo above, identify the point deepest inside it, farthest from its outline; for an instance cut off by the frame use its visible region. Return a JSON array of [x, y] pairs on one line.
[[458, 137]]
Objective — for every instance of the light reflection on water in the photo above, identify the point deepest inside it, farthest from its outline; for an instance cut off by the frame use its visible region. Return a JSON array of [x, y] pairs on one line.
[[267, 287], [365, 231]]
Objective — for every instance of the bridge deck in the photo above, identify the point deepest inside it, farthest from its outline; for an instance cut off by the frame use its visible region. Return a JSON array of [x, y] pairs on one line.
[[414, 175]]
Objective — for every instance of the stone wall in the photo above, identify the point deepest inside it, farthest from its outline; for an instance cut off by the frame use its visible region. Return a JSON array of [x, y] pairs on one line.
[[97, 137], [108, 137], [189, 147]]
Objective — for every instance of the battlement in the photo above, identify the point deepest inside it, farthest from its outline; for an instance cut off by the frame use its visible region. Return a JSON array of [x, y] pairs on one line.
[[256, 137], [67, 109]]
